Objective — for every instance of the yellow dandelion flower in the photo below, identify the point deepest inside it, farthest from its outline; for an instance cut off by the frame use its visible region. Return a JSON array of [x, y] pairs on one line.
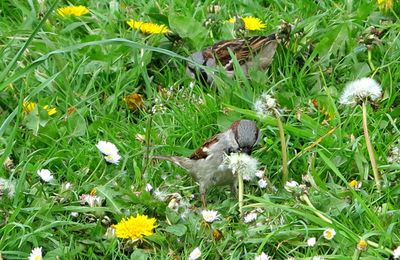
[[73, 10], [250, 23], [134, 101], [148, 28], [28, 106], [50, 111], [385, 4], [362, 245], [135, 227]]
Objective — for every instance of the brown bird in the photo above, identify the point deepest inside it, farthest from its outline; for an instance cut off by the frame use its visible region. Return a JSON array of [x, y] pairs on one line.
[[206, 164], [255, 51]]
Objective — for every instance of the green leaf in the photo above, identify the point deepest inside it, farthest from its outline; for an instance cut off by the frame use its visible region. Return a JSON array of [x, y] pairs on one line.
[[139, 254], [177, 230], [172, 216], [187, 27], [37, 118], [76, 125]]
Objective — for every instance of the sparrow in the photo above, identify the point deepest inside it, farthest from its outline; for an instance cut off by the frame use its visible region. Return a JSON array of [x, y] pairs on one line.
[[206, 164], [254, 51]]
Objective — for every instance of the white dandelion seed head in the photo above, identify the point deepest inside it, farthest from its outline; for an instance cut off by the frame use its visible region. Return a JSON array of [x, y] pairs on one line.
[[250, 217], [36, 254], [195, 254], [262, 183], [107, 148], [360, 90], [45, 175], [243, 164], [265, 105], [291, 186], [311, 241], [263, 256], [329, 233], [394, 155], [396, 253], [210, 216], [7, 187], [112, 158]]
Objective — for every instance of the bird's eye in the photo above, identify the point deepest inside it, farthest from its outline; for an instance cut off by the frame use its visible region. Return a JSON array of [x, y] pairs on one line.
[[229, 150]]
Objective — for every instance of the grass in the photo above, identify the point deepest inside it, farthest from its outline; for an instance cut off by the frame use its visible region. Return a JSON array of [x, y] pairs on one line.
[[85, 66]]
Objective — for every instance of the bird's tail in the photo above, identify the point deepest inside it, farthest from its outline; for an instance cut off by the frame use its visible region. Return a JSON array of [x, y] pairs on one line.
[[183, 162]]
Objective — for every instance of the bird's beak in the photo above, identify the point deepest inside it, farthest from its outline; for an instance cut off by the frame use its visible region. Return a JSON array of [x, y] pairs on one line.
[[246, 150]]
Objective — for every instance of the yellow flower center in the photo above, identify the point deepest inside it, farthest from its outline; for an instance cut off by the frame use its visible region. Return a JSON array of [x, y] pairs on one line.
[[353, 183], [362, 245]]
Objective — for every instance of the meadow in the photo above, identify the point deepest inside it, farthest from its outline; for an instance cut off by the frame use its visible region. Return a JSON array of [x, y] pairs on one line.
[[89, 93]]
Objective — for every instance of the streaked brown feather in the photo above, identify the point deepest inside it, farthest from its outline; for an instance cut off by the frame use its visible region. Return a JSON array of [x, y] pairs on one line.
[[242, 48], [202, 153]]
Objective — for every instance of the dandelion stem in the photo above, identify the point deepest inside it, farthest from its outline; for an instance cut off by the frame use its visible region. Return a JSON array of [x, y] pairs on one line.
[[284, 150], [369, 147], [371, 65], [305, 198], [241, 189]]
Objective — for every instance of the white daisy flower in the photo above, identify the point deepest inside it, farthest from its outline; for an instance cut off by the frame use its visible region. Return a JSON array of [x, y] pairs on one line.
[[210, 215], [195, 254], [45, 175], [243, 164], [329, 233], [107, 148], [360, 90], [148, 187], [263, 256], [112, 158], [265, 105], [396, 253], [291, 186], [250, 217], [311, 241], [91, 200], [36, 254], [262, 183]]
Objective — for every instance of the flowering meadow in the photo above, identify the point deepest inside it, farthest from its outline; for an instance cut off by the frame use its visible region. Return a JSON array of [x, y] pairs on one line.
[[90, 91]]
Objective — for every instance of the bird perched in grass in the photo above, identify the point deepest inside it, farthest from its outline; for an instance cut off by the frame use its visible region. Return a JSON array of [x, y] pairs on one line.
[[206, 164], [254, 51]]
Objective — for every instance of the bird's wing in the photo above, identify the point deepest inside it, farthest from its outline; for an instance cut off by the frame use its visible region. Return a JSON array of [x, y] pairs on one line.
[[203, 151], [242, 48]]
